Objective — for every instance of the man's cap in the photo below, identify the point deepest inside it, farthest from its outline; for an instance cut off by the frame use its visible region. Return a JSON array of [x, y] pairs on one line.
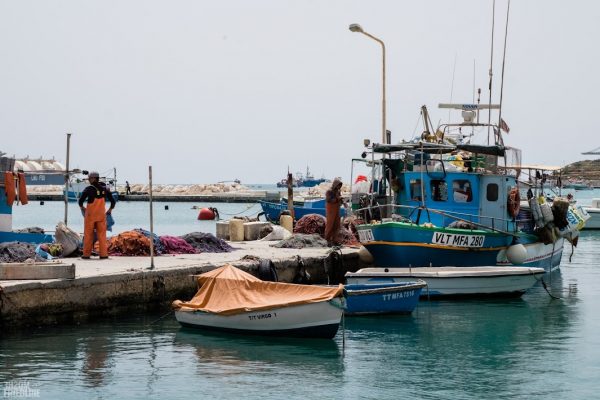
[[93, 174]]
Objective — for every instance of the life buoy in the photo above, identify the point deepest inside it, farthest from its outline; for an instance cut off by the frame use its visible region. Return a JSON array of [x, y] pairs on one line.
[[513, 204]]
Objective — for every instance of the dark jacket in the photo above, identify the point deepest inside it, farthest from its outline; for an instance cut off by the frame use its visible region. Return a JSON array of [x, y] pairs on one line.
[[96, 191]]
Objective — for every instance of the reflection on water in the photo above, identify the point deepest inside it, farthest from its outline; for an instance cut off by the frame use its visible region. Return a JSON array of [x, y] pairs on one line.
[[533, 347], [222, 353]]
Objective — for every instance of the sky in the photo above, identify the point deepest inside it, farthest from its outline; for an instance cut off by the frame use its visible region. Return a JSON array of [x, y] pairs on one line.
[[208, 91]]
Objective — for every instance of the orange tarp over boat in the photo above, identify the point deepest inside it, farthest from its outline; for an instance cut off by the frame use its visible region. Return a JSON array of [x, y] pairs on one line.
[[229, 290]]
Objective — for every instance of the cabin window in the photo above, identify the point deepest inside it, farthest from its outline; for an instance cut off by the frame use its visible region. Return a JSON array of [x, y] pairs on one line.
[[439, 190], [492, 192], [415, 189], [462, 191]]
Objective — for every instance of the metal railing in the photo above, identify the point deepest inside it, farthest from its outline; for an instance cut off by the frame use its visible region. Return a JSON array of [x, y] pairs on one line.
[[453, 215]]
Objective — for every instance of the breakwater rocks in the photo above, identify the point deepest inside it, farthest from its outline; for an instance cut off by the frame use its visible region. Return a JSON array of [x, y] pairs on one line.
[[217, 192]]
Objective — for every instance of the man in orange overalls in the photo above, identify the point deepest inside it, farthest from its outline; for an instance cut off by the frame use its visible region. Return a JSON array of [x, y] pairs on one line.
[[95, 213]]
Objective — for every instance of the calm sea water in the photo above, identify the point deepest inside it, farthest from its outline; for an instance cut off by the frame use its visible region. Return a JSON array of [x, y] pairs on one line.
[[532, 347], [178, 219]]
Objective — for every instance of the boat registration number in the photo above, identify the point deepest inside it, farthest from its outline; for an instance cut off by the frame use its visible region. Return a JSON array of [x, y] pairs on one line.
[[365, 235], [452, 239]]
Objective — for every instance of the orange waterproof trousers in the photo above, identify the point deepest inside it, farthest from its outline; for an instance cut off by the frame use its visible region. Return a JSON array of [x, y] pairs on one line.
[[95, 220], [332, 224]]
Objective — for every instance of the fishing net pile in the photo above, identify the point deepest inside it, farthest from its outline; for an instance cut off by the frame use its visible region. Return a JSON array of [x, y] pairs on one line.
[[310, 224], [314, 224], [16, 252], [128, 243], [176, 245], [158, 246], [206, 243], [137, 243], [350, 224], [346, 238], [300, 241], [462, 225]]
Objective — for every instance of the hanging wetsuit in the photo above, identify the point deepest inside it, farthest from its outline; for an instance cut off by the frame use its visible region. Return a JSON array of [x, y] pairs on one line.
[[95, 217]]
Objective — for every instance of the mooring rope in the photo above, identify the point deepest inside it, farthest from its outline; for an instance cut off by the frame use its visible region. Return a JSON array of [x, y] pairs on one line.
[[158, 319], [243, 211], [544, 285]]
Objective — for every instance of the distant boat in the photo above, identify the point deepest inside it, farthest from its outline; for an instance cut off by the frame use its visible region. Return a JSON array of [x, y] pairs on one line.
[[78, 184], [273, 210], [456, 281], [594, 212], [577, 186], [300, 180]]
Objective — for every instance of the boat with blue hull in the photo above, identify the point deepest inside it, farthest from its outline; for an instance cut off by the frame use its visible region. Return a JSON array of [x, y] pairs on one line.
[[273, 210], [382, 298], [300, 180], [444, 202]]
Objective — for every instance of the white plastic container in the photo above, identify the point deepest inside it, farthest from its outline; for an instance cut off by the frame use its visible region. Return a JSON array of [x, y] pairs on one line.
[[236, 230], [287, 222]]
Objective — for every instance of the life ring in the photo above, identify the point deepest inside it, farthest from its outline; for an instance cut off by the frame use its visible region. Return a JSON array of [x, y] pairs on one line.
[[513, 203]]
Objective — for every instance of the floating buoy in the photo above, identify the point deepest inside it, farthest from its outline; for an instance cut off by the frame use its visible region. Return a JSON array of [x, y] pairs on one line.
[[516, 254], [206, 214]]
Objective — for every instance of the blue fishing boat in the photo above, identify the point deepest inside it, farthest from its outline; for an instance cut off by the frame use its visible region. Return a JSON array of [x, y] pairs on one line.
[[440, 201], [300, 180], [273, 210], [382, 298]]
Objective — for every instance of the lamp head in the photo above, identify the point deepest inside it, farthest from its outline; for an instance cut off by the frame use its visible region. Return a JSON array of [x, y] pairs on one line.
[[366, 142], [355, 28]]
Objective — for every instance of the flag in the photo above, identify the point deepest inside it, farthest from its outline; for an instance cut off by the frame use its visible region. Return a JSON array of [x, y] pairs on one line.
[[504, 126]]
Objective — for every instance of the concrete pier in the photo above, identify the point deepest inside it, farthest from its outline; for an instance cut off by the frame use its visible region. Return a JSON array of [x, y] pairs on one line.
[[123, 284]]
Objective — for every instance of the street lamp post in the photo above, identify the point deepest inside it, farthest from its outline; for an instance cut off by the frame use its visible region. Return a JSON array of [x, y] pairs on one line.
[[358, 28]]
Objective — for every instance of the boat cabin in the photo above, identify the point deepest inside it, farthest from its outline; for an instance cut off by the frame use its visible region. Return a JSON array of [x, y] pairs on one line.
[[429, 184]]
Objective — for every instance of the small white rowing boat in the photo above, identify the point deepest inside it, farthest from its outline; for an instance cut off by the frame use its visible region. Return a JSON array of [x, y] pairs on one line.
[[234, 301], [456, 281], [319, 320]]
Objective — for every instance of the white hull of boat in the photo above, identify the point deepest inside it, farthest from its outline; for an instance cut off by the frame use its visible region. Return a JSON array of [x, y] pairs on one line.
[[306, 320], [594, 221], [539, 255], [456, 281]]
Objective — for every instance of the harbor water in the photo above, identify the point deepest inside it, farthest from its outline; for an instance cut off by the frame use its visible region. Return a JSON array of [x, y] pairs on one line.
[[532, 347]]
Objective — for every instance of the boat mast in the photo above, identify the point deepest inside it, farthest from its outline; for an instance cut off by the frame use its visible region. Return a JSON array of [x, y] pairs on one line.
[[490, 72], [502, 76]]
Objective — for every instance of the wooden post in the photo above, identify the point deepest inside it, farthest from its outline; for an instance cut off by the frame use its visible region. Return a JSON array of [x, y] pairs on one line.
[[290, 187], [67, 177], [151, 220]]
